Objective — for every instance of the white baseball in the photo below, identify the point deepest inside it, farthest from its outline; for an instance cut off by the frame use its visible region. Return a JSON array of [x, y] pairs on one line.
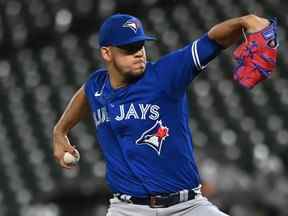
[[71, 159]]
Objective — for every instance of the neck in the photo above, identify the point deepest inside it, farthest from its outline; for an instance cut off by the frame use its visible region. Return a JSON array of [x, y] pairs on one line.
[[116, 80]]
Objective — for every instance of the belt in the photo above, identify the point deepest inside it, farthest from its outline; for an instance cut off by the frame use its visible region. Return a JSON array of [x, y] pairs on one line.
[[161, 201]]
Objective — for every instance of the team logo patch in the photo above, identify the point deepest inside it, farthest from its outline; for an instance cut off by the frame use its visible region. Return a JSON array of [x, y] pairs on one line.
[[269, 33], [132, 24], [154, 136]]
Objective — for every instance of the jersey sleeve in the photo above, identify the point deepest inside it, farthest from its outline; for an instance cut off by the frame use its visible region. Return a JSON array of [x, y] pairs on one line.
[[176, 70]]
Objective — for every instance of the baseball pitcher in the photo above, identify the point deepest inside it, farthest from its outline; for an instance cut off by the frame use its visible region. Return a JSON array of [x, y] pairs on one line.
[[141, 117]]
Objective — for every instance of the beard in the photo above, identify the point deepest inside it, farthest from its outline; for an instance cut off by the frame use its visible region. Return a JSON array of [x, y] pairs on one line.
[[130, 76]]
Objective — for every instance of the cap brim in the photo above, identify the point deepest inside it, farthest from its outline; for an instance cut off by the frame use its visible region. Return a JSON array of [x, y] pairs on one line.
[[135, 40]]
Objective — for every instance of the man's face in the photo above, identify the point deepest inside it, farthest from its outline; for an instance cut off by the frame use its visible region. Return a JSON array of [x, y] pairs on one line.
[[129, 60]]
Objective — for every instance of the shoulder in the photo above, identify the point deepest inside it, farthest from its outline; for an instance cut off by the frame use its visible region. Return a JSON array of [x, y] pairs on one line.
[[97, 76], [95, 81], [173, 61], [174, 56]]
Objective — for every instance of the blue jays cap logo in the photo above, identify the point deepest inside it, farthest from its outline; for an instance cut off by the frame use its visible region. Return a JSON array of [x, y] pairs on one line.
[[133, 24], [154, 136]]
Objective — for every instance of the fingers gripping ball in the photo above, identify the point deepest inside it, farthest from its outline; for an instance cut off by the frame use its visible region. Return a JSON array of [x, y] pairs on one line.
[[256, 57], [71, 158]]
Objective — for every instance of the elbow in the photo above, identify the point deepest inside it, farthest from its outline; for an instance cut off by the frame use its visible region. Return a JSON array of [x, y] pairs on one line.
[[58, 129]]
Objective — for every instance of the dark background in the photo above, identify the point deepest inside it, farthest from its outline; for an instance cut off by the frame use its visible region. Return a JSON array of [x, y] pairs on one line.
[[48, 48]]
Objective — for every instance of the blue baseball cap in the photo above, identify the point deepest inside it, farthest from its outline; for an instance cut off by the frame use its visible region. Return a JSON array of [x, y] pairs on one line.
[[121, 29]]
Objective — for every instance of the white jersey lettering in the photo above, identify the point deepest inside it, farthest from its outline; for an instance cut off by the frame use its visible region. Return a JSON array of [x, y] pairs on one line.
[[132, 112], [144, 109], [154, 112], [122, 113], [100, 116]]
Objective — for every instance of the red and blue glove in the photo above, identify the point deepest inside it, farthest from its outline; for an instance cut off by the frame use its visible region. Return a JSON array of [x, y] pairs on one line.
[[256, 57]]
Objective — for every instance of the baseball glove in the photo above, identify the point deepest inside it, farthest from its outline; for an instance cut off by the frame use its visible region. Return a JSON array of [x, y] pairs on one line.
[[256, 56]]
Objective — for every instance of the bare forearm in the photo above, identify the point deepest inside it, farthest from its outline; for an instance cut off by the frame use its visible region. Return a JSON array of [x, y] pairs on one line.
[[76, 110], [229, 31]]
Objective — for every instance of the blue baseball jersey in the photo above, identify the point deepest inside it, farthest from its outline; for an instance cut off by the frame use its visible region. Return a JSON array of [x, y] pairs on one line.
[[143, 128]]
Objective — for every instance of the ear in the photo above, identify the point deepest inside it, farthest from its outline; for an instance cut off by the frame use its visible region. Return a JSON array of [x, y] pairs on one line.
[[106, 54]]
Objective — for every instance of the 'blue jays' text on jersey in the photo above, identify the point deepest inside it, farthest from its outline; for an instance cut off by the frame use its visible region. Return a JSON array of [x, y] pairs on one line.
[[143, 128]]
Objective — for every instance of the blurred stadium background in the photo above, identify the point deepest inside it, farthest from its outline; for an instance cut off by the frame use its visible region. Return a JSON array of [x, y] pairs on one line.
[[49, 47]]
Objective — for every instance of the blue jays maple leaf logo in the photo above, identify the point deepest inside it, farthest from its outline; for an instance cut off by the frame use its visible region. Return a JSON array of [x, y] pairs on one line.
[[154, 136]]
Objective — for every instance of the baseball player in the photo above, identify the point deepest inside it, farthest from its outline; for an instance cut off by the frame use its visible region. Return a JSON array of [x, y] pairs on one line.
[[141, 118]]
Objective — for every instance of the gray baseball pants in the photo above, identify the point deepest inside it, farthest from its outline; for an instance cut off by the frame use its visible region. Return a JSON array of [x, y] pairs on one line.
[[199, 206]]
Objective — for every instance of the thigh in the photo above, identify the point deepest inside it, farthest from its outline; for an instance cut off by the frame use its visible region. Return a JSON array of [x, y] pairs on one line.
[[119, 208], [197, 207], [206, 210]]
